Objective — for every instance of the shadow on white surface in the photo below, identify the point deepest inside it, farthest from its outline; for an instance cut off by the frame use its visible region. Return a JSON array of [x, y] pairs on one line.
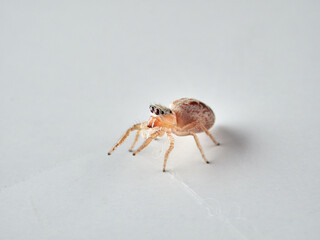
[[233, 141]]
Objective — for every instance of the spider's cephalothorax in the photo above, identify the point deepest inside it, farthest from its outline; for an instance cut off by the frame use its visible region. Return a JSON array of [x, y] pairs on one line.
[[161, 117], [186, 116]]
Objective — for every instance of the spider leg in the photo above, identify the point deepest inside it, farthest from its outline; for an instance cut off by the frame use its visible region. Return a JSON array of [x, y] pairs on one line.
[[135, 140], [171, 139], [193, 124], [184, 133], [154, 130], [138, 126], [148, 140], [144, 135], [209, 134], [137, 137]]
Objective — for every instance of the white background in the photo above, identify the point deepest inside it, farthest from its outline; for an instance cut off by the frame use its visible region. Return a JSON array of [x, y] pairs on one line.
[[76, 74]]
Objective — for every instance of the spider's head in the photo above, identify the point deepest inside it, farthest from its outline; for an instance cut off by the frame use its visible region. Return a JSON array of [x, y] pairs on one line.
[[157, 110], [161, 117]]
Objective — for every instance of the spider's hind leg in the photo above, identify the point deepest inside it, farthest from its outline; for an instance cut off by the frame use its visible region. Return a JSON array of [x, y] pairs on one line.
[[209, 134], [198, 123], [185, 133]]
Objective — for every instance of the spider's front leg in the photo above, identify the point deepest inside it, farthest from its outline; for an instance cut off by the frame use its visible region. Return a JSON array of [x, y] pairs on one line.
[[135, 140], [171, 140], [138, 127], [148, 140]]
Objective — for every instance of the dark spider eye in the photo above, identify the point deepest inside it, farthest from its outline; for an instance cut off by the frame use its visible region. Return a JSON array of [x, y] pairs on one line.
[[162, 112], [157, 111], [151, 109]]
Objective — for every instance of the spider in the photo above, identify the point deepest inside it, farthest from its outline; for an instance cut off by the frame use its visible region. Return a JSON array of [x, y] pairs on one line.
[[185, 116]]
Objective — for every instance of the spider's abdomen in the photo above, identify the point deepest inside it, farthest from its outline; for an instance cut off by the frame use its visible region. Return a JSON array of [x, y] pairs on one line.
[[189, 110]]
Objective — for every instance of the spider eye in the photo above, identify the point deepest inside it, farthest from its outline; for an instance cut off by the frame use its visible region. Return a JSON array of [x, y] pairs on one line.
[[162, 112], [151, 109], [157, 111]]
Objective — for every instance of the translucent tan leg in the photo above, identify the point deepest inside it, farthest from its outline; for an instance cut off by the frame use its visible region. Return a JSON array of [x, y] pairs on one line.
[[193, 124], [171, 139], [149, 139], [134, 127], [152, 131], [135, 141], [144, 135], [179, 133]]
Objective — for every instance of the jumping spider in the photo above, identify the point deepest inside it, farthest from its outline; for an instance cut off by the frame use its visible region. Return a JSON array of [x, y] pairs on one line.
[[186, 116]]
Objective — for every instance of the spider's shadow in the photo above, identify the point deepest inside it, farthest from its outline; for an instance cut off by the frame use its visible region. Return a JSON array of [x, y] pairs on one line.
[[233, 142]]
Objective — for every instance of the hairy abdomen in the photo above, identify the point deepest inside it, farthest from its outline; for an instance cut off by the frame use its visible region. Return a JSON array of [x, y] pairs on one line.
[[189, 110]]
